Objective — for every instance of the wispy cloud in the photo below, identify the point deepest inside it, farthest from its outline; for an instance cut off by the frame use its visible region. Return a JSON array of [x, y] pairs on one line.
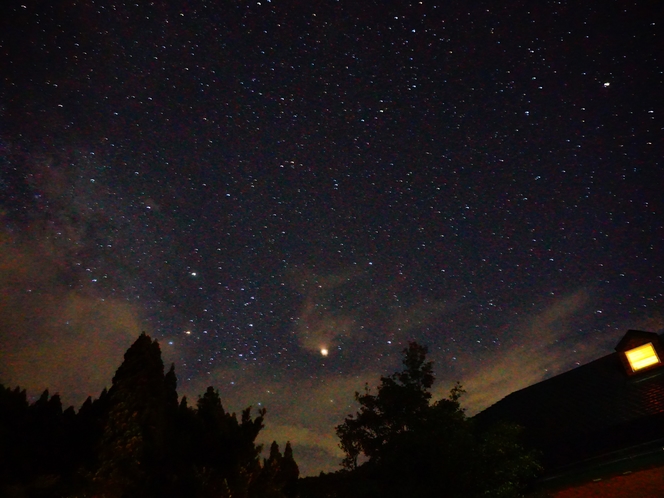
[[318, 326], [350, 305], [52, 336], [541, 347]]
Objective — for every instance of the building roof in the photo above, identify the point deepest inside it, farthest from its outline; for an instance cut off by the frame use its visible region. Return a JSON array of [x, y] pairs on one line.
[[591, 410]]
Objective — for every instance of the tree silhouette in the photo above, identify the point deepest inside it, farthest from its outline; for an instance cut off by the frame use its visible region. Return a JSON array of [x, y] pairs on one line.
[[136, 440], [226, 452], [278, 477], [133, 439], [290, 472], [416, 448], [401, 400]]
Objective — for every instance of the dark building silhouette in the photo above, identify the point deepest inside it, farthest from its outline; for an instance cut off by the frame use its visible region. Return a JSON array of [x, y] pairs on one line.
[[595, 416]]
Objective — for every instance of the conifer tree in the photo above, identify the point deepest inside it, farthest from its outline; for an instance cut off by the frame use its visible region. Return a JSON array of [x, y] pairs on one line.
[[278, 477], [13, 426], [89, 428], [170, 386], [133, 440], [227, 451], [290, 472], [267, 484], [46, 435]]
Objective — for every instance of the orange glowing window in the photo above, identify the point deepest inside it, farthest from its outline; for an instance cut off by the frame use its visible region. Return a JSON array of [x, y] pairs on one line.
[[642, 357]]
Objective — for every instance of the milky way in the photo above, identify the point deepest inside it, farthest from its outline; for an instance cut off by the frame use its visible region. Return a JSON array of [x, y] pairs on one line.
[[255, 183]]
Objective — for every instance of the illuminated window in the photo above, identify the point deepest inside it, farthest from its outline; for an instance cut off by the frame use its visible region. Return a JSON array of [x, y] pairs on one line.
[[642, 357]]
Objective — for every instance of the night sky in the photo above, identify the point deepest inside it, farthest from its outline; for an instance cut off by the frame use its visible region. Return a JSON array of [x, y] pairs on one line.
[[253, 182]]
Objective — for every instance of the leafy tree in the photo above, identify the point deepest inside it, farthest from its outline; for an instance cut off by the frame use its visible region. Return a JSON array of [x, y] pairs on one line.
[[419, 449], [401, 400]]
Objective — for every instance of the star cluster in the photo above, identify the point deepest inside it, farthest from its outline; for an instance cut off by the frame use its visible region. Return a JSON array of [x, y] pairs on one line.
[[284, 193]]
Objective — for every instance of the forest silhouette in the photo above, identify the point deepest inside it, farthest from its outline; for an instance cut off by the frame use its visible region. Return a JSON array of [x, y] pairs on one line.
[[138, 439]]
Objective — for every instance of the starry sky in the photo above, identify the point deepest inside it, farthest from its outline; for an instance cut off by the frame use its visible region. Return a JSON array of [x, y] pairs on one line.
[[251, 182]]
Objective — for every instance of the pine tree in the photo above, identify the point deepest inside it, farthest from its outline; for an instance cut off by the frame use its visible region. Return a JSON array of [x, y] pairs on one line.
[[14, 451], [267, 483], [290, 472], [89, 428], [133, 442], [46, 434], [227, 450], [170, 386], [278, 477]]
